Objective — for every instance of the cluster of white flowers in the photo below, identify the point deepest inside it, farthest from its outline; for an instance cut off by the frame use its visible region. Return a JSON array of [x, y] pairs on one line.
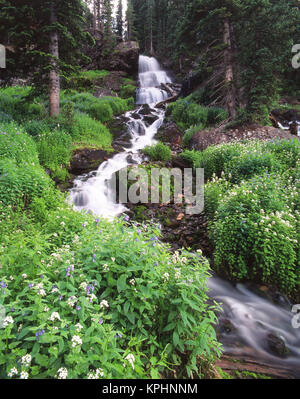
[[166, 276], [11, 278], [177, 273], [62, 373], [46, 309], [76, 340], [104, 304], [105, 268], [24, 375], [130, 358], [95, 375], [8, 320], [42, 292], [79, 327], [55, 289], [71, 301], [12, 372], [24, 275], [39, 286], [54, 316], [26, 360], [132, 281], [83, 286]]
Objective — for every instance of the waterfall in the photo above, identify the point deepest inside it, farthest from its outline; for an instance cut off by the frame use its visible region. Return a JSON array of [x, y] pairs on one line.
[[95, 192], [150, 78]]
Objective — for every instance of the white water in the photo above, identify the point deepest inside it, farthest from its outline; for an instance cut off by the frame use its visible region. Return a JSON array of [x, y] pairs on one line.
[[93, 192], [253, 317]]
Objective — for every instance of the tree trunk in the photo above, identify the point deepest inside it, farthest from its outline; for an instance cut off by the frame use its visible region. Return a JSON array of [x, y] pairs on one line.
[[228, 62], [54, 83]]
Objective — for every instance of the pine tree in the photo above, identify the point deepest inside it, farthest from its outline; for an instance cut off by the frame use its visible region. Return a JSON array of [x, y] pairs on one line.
[[46, 38], [131, 33], [119, 20], [108, 34]]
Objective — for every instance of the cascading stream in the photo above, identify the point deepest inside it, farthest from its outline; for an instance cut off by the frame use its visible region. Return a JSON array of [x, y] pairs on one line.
[[93, 192], [252, 318]]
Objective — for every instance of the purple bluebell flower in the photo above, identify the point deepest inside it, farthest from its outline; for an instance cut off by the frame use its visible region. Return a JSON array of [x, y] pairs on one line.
[[101, 321], [78, 307]]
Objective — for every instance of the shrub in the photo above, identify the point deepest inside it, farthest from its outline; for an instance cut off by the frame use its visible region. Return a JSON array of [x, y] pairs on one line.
[[16, 144], [88, 132], [55, 150], [216, 115], [255, 234], [106, 299], [101, 111], [20, 184], [158, 152], [189, 134], [127, 91], [187, 113], [85, 79], [249, 164]]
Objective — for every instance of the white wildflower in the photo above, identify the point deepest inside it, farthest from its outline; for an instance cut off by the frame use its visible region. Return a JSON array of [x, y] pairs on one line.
[[103, 304], [166, 276], [24, 275], [8, 320], [24, 375], [76, 340], [62, 373], [42, 292], [12, 372], [79, 327], [132, 281], [130, 359], [26, 360], [54, 316]]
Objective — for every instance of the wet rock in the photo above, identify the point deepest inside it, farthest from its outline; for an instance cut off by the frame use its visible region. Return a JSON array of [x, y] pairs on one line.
[[131, 161], [277, 345], [226, 326], [145, 110], [150, 119], [86, 160]]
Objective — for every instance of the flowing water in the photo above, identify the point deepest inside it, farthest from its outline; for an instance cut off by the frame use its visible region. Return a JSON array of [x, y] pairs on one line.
[[94, 192], [247, 319]]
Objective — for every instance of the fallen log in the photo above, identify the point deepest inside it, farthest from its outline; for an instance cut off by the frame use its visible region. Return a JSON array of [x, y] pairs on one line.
[[168, 100]]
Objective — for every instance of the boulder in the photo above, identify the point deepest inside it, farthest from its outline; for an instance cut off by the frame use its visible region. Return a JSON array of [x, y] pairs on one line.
[[170, 133], [125, 57], [85, 160], [277, 345], [150, 119]]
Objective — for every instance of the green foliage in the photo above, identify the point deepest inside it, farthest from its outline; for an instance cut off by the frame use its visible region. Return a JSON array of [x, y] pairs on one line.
[[55, 150], [102, 108], [21, 183], [187, 114], [101, 111], [91, 294], [189, 134], [252, 203], [158, 152], [85, 80], [255, 233], [127, 91], [16, 144], [88, 132]]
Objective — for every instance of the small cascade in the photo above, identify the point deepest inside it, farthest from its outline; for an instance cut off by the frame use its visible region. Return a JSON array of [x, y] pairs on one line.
[[95, 192]]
